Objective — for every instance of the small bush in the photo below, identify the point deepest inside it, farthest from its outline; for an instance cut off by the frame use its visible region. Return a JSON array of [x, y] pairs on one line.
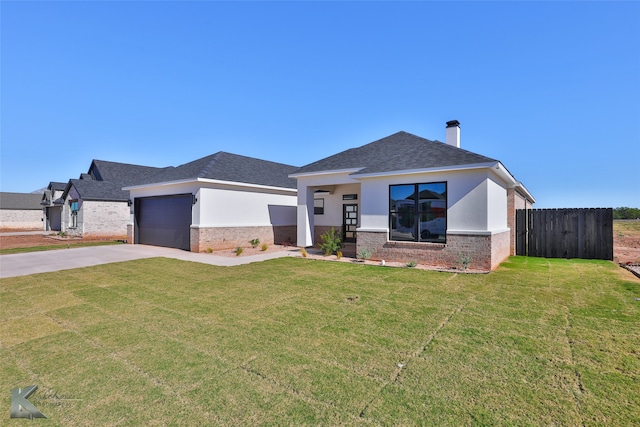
[[330, 242], [304, 253], [264, 247], [364, 254], [209, 250], [239, 250], [339, 254], [254, 243], [463, 261], [411, 264]]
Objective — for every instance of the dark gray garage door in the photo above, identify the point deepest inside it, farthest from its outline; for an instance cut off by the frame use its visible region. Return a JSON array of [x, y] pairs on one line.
[[163, 221]]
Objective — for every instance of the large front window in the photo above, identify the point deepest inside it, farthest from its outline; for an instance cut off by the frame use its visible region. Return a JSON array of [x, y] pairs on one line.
[[418, 212]]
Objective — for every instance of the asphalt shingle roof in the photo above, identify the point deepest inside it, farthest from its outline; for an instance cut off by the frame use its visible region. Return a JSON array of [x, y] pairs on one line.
[[397, 152], [57, 186], [230, 167], [110, 177], [122, 173], [20, 201]]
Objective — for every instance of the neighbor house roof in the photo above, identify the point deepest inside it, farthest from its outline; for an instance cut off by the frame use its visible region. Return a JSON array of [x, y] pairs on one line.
[[20, 201], [49, 193], [104, 180], [224, 166], [57, 186], [398, 152]]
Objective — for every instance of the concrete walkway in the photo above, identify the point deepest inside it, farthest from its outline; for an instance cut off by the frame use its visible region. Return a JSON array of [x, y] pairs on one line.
[[65, 259]]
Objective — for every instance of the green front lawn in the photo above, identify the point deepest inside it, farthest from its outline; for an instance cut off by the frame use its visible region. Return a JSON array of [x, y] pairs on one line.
[[303, 342]]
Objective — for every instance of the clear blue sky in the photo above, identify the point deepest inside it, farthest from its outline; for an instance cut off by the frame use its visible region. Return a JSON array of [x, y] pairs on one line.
[[551, 89]]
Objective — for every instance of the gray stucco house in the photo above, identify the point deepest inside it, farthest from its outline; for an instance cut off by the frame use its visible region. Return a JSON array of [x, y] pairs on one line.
[[219, 201], [407, 198]]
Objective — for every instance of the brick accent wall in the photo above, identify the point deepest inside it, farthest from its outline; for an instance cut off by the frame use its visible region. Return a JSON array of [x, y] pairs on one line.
[[218, 238], [104, 219], [21, 219], [486, 251], [130, 236], [500, 247]]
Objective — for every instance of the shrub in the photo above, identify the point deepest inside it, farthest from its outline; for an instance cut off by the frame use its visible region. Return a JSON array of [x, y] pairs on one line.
[[264, 247], [209, 250], [339, 254], [239, 250], [411, 264], [330, 242], [463, 261], [364, 253], [254, 243], [304, 253]]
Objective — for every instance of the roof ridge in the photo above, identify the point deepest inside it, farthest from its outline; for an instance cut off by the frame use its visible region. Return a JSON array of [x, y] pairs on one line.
[[209, 166]]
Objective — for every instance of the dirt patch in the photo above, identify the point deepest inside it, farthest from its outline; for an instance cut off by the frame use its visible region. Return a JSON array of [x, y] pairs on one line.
[[27, 241], [626, 242]]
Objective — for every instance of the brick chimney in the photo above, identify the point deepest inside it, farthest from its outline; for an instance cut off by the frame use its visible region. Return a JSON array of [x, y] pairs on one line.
[[453, 133]]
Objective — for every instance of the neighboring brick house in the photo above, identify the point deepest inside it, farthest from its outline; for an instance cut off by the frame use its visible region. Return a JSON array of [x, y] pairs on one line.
[[220, 201], [20, 211], [95, 205], [406, 198], [52, 205]]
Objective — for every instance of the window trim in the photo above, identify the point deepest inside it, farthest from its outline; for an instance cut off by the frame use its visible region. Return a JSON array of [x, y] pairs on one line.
[[318, 210], [417, 238]]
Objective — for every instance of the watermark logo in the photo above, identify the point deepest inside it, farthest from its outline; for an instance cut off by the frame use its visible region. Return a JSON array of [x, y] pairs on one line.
[[21, 407]]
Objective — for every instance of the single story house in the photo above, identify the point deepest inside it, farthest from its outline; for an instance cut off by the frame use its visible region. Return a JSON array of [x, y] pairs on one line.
[[220, 201], [20, 211], [407, 198], [52, 202], [95, 205]]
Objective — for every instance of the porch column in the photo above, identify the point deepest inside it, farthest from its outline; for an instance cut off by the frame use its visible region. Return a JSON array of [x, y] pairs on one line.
[[305, 215]]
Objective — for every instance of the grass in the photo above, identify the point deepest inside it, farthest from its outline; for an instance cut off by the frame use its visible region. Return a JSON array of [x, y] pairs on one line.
[[626, 228], [303, 342], [69, 245]]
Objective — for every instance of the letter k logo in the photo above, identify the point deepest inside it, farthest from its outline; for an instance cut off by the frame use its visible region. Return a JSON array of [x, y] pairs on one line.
[[21, 407]]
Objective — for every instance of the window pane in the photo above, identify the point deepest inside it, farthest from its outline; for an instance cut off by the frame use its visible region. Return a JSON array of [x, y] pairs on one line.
[[432, 210], [402, 212]]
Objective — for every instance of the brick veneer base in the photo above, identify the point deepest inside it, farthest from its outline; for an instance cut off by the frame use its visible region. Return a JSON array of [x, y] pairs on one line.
[[486, 251], [231, 237], [130, 234]]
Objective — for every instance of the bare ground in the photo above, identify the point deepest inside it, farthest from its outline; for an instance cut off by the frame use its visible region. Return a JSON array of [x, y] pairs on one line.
[[26, 241]]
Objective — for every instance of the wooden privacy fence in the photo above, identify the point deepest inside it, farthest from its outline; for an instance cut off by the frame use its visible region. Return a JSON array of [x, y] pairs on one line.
[[565, 233]]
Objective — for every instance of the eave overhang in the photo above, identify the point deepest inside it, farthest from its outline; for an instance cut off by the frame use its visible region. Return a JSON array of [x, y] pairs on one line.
[[326, 172], [209, 181]]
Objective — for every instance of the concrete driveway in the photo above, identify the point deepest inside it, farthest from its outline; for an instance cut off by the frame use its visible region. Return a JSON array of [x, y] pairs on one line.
[[65, 259]]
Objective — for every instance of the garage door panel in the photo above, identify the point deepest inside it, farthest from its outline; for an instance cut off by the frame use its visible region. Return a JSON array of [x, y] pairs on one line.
[[164, 221]]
